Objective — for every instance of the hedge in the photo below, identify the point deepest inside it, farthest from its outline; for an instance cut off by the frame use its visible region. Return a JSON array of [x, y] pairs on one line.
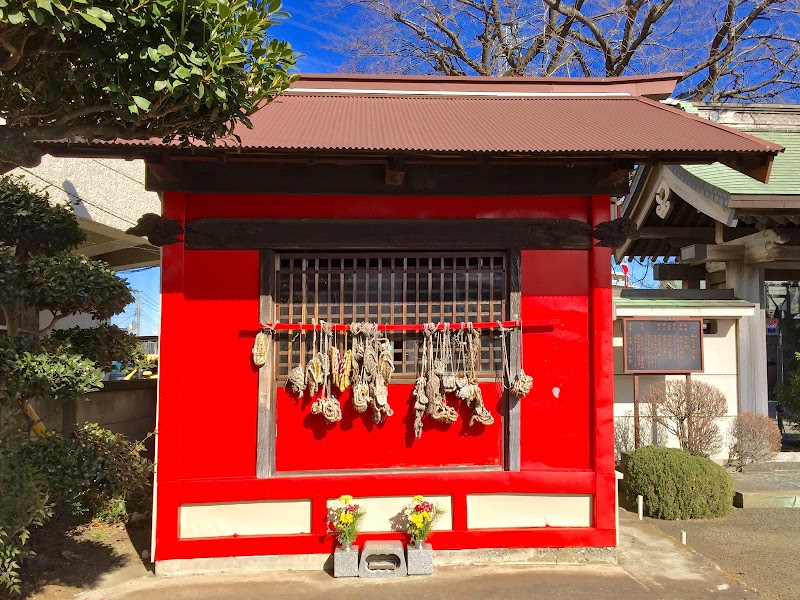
[[677, 485]]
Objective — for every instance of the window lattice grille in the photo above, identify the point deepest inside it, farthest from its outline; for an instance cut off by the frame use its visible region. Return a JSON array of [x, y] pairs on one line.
[[399, 289]]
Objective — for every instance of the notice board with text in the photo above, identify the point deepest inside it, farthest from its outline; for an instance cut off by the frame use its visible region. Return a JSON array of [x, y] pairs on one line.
[[663, 345]]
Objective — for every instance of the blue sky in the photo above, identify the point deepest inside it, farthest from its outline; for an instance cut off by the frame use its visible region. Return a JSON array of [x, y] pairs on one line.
[[146, 281], [308, 31]]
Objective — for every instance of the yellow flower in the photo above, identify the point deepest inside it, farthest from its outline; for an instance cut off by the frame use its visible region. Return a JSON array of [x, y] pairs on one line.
[[346, 518], [416, 520], [418, 498], [425, 515], [346, 499]]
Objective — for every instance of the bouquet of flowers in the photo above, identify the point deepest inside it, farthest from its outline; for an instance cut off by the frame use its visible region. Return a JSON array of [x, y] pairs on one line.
[[345, 519], [420, 516]]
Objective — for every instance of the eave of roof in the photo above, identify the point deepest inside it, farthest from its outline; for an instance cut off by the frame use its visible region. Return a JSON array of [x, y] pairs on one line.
[[527, 117]]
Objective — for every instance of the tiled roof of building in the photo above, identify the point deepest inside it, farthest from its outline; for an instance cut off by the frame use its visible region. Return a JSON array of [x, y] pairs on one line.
[[784, 178]]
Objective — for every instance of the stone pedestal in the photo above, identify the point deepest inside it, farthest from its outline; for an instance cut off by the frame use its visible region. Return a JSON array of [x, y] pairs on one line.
[[345, 562], [420, 559], [383, 559]]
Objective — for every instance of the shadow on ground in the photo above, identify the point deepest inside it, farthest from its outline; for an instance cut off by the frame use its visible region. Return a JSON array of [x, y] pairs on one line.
[[72, 556]]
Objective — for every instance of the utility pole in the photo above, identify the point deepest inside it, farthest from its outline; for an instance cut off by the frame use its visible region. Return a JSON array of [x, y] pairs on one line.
[[138, 320]]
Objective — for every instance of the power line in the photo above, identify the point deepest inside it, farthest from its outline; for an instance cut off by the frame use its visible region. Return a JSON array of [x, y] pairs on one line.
[[102, 164], [77, 197]]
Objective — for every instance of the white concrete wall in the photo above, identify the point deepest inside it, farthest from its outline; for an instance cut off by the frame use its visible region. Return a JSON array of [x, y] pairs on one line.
[[111, 190], [719, 370]]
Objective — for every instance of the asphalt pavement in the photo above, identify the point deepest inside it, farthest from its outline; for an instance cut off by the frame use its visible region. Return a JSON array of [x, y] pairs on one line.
[[651, 566]]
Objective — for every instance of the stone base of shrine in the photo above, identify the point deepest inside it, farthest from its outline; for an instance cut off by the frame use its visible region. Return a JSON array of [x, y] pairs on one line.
[[441, 558]]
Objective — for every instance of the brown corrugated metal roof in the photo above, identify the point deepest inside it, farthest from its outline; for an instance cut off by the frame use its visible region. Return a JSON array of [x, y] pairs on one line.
[[625, 125], [501, 116]]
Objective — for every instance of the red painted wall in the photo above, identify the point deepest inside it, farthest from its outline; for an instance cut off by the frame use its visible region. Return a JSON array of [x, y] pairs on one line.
[[208, 388]]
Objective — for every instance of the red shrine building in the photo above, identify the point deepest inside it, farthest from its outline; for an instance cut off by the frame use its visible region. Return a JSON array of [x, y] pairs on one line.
[[401, 201]]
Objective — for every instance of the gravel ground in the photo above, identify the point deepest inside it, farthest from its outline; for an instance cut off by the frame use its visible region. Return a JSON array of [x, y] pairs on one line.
[[760, 546]]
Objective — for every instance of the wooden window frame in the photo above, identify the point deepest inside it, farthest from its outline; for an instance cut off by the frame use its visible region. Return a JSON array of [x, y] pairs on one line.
[[267, 384], [377, 288]]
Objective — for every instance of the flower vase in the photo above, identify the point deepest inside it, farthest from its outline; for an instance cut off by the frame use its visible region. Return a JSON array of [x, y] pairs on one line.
[[420, 558], [345, 560]]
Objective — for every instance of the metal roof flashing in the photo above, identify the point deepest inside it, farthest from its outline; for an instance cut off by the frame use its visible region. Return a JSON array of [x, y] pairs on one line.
[[658, 86]]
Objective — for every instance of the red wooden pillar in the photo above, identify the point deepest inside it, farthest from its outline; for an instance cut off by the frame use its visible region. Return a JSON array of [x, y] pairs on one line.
[[170, 394], [602, 378]]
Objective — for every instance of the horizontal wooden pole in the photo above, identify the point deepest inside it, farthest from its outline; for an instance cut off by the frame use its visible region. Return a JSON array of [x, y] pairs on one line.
[[695, 234], [670, 272], [387, 234], [524, 325]]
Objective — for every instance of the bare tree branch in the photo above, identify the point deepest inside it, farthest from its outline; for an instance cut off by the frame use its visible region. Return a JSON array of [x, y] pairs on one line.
[[727, 49]]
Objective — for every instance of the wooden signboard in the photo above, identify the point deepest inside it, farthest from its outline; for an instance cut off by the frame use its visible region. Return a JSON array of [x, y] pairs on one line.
[[663, 345]]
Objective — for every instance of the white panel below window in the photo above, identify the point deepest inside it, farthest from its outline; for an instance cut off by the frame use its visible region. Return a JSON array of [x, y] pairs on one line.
[[514, 511], [225, 519], [384, 513]]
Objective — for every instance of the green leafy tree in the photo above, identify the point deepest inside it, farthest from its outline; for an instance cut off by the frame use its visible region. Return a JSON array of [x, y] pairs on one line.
[[788, 392], [133, 69], [40, 272]]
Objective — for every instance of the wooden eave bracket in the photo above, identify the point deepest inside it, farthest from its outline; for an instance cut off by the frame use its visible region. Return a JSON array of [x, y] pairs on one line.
[[613, 234], [158, 230]]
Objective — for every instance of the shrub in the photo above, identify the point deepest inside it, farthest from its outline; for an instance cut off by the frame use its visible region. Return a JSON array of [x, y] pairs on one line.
[[93, 472], [677, 485], [752, 438], [689, 410], [23, 505]]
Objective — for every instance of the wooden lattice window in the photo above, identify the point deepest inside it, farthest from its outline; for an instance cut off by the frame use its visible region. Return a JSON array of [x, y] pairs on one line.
[[390, 289]]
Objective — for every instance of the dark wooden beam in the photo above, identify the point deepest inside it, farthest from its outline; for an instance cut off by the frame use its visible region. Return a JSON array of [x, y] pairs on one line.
[[703, 253], [672, 272], [784, 254], [382, 178], [790, 274], [695, 234], [387, 234]]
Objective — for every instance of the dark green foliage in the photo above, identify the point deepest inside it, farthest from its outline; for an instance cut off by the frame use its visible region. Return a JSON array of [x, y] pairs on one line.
[[31, 224], [105, 69], [92, 472], [37, 273], [788, 393], [69, 283], [29, 507], [103, 345], [33, 368], [677, 485]]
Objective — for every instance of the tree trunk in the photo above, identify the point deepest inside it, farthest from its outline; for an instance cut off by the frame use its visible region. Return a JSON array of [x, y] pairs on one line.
[[20, 319]]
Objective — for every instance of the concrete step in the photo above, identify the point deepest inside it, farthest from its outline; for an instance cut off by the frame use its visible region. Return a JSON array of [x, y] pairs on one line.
[[767, 489], [770, 499]]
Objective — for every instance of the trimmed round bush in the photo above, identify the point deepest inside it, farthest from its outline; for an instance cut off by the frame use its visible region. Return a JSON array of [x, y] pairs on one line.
[[677, 485]]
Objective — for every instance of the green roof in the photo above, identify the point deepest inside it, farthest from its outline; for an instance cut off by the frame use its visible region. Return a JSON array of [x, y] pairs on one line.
[[784, 178]]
